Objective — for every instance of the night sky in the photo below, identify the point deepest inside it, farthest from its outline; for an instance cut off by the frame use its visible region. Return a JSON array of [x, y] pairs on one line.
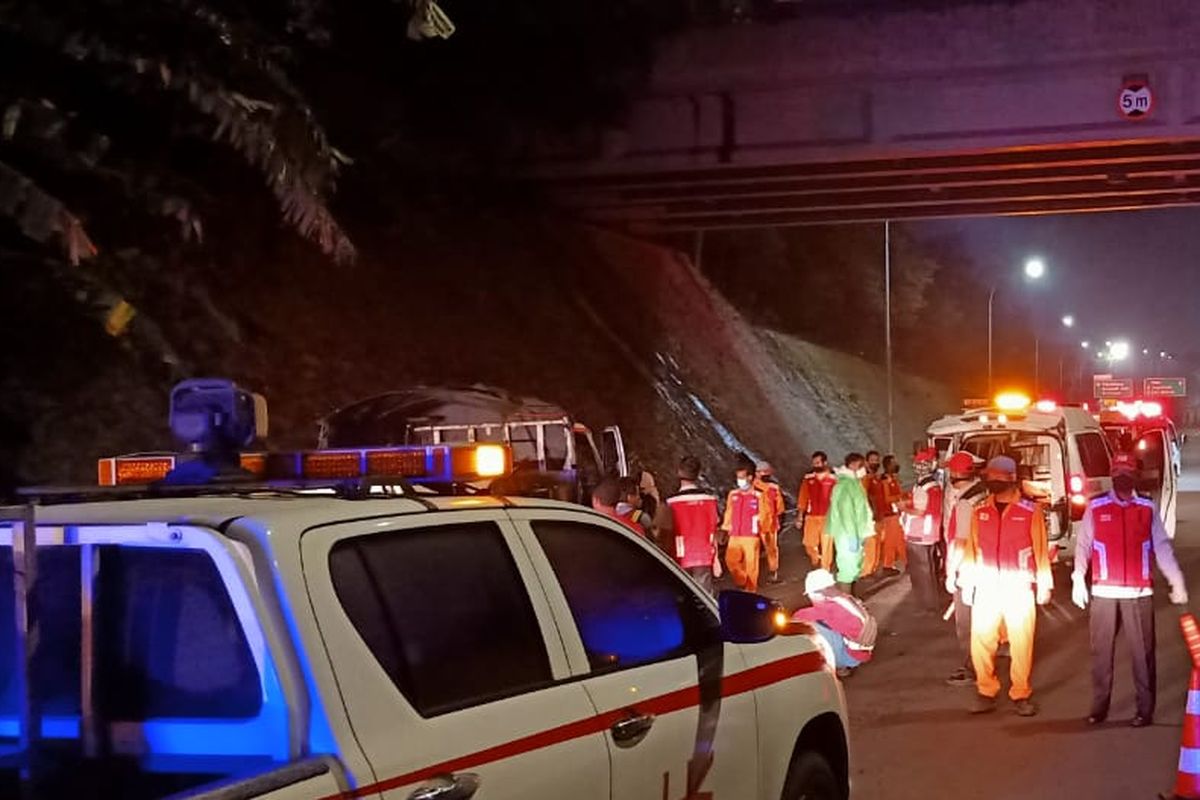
[[1122, 275]]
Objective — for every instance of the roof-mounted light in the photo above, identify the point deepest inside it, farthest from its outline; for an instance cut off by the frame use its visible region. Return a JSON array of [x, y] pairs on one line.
[[1046, 406], [1012, 401]]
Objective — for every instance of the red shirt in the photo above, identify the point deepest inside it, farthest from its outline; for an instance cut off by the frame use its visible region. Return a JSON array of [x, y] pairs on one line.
[[815, 491], [694, 519], [746, 513]]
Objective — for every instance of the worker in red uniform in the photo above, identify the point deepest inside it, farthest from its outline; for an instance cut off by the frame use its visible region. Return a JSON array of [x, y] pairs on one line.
[[872, 484], [923, 531], [605, 498], [765, 483], [694, 521], [629, 507], [841, 619], [812, 506], [1120, 531], [1005, 571], [745, 518], [889, 530], [965, 493]]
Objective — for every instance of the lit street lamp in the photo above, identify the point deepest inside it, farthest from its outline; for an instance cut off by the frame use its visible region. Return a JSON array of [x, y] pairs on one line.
[[1068, 321], [1119, 351], [1085, 345], [1035, 268]]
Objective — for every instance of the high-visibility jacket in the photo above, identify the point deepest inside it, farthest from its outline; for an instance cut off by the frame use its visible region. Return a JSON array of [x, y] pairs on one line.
[[923, 521], [846, 615], [1008, 549], [773, 505], [745, 513], [1122, 550], [694, 519], [815, 491]]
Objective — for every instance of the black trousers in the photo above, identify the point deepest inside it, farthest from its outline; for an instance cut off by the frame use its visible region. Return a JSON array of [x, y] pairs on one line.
[[1136, 617], [922, 571]]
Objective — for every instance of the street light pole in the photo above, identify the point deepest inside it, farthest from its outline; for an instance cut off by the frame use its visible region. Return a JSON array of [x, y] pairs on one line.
[[991, 297], [887, 313], [1037, 365]]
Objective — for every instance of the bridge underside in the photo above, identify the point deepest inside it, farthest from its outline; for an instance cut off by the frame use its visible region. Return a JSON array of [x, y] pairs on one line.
[[1102, 176]]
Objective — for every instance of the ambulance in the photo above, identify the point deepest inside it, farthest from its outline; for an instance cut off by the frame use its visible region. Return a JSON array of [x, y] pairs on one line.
[[1061, 452], [1141, 428], [222, 622]]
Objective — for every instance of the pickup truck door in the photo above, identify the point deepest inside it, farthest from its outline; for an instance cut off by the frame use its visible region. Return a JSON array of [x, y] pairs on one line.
[[448, 662], [645, 640]]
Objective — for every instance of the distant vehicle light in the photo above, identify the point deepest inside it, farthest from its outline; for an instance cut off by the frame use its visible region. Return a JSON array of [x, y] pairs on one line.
[[1143, 445], [1128, 410], [1046, 406], [1012, 401], [1151, 409]]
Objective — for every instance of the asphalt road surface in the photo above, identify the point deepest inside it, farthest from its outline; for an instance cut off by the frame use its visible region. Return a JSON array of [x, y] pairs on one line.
[[911, 736]]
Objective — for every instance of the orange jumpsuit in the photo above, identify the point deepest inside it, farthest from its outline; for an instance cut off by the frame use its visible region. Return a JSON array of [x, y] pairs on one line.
[[813, 502], [1006, 571], [890, 531], [873, 547], [745, 518], [773, 514]]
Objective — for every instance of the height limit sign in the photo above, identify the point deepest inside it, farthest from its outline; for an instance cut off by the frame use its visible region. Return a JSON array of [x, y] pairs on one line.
[[1136, 100]]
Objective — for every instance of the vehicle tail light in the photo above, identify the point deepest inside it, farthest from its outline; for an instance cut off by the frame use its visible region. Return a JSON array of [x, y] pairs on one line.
[[1077, 484], [1079, 499]]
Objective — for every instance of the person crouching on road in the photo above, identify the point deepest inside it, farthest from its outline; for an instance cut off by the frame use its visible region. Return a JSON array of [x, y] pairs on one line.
[[1006, 572], [873, 485], [923, 531], [745, 520], [849, 522], [693, 521], [1119, 532], [765, 483], [965, 493], [890, 531], [841, 619], [812, 503]]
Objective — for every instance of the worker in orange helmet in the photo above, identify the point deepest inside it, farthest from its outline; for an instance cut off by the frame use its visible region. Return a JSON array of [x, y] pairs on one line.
[[764, 482], [812, 506], [1005, 572], [746, 518]]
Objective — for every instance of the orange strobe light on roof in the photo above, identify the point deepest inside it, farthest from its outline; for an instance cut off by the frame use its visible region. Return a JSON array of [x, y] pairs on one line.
[[1012, 401], [440, 463]]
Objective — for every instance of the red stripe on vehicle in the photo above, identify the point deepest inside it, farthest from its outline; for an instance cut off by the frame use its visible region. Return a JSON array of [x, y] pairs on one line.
[[681, 699]]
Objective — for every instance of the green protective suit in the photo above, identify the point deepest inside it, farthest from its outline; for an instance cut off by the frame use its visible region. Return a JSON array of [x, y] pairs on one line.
[[849, 522]]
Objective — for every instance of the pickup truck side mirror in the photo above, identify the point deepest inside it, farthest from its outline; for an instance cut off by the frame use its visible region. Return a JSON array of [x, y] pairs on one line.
[[750, 618]]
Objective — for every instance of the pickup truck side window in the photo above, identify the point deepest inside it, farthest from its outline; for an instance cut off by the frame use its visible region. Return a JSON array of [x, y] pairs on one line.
[[1093, 455], [630, 608], [445, 613]]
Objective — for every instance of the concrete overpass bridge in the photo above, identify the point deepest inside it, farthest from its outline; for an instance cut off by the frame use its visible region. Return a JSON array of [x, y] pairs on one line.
[[964, 108]]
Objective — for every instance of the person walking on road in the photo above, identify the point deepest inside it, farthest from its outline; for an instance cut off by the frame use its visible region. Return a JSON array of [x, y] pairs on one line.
[[849, 522], [923, 531], [889, 530], [1005, 572], [745, 520], [765, 483], [965, 493], [1120, 531], [693, 519], [873, 486], [840, 619], [812, 506]]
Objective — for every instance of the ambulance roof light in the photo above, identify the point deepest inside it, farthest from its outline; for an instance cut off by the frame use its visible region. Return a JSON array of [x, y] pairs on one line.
[[1012, 401], [1151, 408], [1046, 406]]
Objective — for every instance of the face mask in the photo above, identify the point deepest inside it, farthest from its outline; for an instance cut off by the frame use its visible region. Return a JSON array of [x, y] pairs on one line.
[[861, 472], [1000, 487], [743, 483], [873, 468], [1124, 484]]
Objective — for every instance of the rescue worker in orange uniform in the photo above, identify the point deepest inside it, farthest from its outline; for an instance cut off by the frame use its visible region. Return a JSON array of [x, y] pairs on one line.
[[873, 485], [923, 531], [746, 516], [812, 506], [764, 482], [890, 531], [1005, 571], [1120, 531]]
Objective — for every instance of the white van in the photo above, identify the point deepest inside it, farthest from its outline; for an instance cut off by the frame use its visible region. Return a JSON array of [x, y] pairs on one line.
[[1061, 452]]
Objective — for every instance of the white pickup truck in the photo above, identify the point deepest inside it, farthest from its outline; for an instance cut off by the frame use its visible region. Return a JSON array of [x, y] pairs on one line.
[[316, 640]]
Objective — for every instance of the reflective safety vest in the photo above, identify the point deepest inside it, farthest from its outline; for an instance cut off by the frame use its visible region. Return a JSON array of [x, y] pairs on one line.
[[923, 525], [1122, 548], [745, 512], [1005, 541], [815, 491], [694, 519]]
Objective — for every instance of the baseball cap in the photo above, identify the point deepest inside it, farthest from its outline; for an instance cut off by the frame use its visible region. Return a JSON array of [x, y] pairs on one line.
[[928, 454], [818, 580], [961, 463], [1002, 466], [1124, 463]]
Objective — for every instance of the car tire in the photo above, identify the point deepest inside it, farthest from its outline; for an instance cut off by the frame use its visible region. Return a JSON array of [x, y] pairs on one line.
[[810, 777]]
